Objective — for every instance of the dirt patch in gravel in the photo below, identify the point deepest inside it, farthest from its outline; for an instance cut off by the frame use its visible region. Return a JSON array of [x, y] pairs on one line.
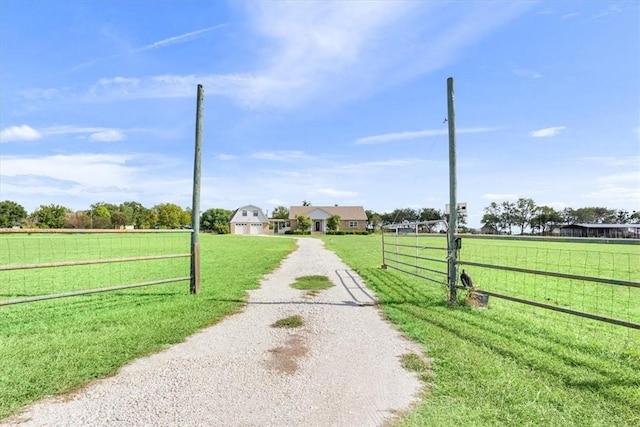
[[343, 368], [285, 358]]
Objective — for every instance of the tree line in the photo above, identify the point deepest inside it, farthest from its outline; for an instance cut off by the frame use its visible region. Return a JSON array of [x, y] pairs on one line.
[[523, 214], [502, 217]]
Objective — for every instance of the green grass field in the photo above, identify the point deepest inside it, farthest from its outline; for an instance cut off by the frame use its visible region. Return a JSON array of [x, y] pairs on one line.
[[598, 260], [55, 346], [507, 365], [510, 364]]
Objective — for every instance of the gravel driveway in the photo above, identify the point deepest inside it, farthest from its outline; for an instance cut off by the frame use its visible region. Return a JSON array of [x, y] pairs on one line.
[[341, 368]]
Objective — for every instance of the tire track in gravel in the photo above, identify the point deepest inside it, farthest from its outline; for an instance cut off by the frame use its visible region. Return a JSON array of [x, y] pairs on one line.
[[341, 368]]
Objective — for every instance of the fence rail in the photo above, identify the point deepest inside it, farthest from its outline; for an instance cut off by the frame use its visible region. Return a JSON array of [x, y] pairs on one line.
[[83, 262], [597, 279], [402, 242], [590, 278]]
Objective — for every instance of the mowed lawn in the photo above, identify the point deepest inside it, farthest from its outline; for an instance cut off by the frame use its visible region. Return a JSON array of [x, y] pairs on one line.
[[54, 346], [507, 365], [511, 364]]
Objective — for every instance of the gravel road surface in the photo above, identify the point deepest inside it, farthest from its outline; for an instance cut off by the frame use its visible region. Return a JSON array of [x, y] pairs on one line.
[[341, 368]]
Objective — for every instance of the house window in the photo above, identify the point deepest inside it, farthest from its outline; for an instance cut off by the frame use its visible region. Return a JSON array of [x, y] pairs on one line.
[[255, 212], [244, 212], [353, 224]]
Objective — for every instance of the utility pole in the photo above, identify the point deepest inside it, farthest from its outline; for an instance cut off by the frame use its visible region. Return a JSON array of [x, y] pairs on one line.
[[194, 287], [453, 214]]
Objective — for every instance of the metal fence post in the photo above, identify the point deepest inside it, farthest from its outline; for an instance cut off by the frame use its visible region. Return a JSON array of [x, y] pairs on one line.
[[194, 287], [453, 217]]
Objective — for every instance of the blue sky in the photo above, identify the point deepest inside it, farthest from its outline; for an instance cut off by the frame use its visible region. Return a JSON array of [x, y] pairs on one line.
[[330, 102]]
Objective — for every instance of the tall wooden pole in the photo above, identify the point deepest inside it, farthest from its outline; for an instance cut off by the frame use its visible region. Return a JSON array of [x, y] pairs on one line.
[[453, 210], [194, 287]]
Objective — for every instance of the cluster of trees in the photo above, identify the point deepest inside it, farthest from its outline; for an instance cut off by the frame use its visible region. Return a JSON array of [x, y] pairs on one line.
[[525, 214], [99, 215]]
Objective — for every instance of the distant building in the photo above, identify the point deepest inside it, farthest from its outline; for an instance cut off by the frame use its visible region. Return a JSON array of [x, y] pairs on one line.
[[601, 230], [249, 220], [352, 218]]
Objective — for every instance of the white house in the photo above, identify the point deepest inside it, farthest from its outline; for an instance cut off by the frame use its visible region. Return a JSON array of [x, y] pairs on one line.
[[249, 220]]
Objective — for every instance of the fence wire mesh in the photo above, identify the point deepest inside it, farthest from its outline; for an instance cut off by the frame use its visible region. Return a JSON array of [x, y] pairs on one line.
[[599, 283], [405, 248], [43, 265]]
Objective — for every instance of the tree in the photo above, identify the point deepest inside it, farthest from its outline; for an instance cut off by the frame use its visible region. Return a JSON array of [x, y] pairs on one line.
[[373, 219], [491, 217], [50, 216], [119, 219], [216, 220], [430, 214], [622, 216], [280, 212], [507, 215], [170, 215], [545, 219], [150, 219], [333, 223], [185, 218], [400, 215], [304, 222], [101, 216], [11, 214], [135, 213], [523, 212], [78, 219]]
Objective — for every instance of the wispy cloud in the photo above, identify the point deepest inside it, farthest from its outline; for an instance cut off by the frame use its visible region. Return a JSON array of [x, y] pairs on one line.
[[546, 132], [525, 72], [226, 157], [182, 38], [570, 15], [329, 50], [281, 156], [103, 170], [632, 161], [402, 136], [612, 9], [107, 135], [19, 133], [617, 189], [27, 133]]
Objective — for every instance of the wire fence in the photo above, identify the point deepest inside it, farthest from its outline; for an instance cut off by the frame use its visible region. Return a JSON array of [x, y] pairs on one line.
[[39, 264], [587, 283], [411, 248], [584, 284]]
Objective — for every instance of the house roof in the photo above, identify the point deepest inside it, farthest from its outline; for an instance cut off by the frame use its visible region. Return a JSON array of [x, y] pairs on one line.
[[354, 213], [236, 217]]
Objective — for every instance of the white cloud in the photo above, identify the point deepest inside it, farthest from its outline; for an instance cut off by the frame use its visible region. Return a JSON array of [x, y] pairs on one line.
[[622, 190], [525, 72], [155, 45], [401, 136], [546, 132], [330, 50], [109, 135], [612, 9], [612, 161], [19, 133], [281, 156], [104, 170], [226, 157]]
